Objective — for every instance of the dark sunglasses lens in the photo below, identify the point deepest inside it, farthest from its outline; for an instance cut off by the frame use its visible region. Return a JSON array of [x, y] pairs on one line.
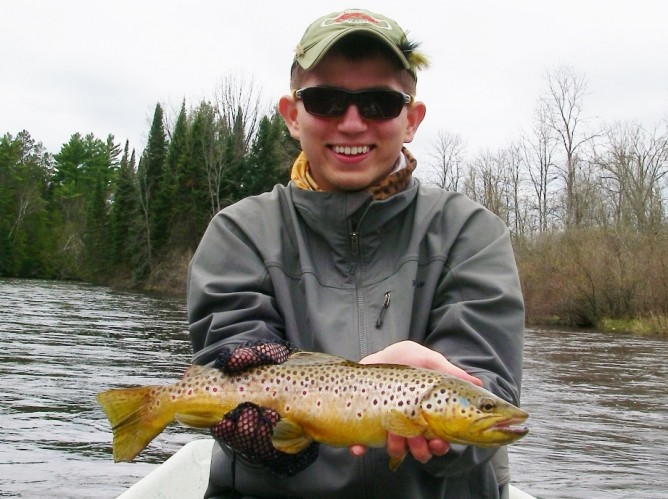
[[380, 104], [325, 101], [372, 104]]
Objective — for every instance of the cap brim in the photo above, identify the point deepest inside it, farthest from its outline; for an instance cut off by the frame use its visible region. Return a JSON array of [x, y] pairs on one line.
[[312, 55]]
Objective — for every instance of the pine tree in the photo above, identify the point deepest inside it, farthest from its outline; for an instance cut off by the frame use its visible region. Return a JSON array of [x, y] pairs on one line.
[[149, 175], [124, 211], [270, 157], [176, 205], [198, 178], [24, 242]]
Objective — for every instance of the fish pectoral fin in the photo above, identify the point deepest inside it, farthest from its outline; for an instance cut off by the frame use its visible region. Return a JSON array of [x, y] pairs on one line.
[[398, 423], [396, 461], [199, 420], [290, 437]]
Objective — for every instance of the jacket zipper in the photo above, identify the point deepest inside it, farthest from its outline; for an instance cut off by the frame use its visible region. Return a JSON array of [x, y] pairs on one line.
[[355, 243], [383, 309], [354, 234]]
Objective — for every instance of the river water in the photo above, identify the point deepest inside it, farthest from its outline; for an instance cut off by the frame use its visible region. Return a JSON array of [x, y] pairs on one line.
[[598, 402]]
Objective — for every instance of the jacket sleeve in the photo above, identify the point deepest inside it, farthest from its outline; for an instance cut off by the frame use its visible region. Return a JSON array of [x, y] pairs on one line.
[[477, 318], [230, 298]]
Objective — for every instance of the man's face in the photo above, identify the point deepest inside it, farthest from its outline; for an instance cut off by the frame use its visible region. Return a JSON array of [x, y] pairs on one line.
[[350, 152]]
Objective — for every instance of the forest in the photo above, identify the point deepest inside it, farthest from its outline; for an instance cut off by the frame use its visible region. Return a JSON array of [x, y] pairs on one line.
[[585, 201]]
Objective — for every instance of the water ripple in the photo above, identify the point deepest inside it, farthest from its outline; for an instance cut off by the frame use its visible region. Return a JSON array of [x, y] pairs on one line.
[[599, 419]]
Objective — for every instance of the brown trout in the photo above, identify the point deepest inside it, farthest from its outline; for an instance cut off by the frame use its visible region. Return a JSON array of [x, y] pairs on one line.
[[319, 397]]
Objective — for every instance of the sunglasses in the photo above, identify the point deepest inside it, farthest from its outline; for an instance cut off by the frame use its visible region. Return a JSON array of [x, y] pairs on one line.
[[331, 102]]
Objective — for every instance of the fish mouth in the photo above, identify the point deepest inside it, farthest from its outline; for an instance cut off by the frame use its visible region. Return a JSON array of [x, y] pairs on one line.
[[511, 427]]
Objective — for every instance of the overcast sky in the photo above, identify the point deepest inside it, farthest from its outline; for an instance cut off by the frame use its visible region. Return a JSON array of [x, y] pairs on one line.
[[89, 66]]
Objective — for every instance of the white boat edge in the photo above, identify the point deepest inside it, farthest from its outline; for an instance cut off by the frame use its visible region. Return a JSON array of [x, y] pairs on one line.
[[185, 475]]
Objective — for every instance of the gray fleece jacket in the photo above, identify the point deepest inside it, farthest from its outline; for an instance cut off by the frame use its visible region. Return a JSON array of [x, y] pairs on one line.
[[347, 275]]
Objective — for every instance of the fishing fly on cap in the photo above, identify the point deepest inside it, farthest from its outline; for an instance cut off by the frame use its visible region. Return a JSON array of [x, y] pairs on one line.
[[323, 33]]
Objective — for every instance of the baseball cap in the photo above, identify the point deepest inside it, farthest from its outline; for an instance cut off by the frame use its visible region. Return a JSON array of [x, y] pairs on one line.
[[324, 32]]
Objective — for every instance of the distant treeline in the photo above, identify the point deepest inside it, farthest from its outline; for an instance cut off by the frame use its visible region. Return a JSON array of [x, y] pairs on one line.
[[95, 211], [586, 205]]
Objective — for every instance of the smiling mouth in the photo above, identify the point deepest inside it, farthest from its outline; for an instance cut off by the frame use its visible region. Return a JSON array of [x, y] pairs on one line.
[[351, 150]]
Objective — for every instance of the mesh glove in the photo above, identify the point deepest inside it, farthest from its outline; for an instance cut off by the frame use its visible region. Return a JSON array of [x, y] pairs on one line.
[[247, 429], [253, 354]]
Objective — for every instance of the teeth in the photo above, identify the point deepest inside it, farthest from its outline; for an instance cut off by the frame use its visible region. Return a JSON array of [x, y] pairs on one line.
[[348, 150]]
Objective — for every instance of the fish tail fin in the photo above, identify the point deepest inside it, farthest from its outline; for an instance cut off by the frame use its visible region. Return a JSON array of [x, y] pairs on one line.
[[136, 418]]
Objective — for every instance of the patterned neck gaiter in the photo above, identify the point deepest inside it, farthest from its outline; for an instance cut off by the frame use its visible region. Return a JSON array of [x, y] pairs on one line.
[[386, 187]]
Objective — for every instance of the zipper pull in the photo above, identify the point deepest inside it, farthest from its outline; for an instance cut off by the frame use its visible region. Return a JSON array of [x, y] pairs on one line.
[[354, 243], [383, 309]]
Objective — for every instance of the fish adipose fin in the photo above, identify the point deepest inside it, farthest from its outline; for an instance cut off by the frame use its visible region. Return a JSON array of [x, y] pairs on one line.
[[289, 437], [200, 420]]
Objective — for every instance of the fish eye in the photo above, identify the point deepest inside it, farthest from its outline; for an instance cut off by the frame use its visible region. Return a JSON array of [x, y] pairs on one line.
[[487, 405]]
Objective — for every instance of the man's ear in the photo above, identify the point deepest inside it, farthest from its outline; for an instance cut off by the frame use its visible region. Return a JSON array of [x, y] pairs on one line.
[[416, 113], [287, 106]]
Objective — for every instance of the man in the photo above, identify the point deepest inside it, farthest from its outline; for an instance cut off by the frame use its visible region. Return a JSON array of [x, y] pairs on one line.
[[356, 258]]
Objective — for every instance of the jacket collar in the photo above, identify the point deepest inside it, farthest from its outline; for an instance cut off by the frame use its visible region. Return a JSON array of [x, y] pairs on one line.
[[327, 212]]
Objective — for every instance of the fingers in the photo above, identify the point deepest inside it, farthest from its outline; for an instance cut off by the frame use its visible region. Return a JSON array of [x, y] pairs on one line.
[[438, 447], [420, 448], [357, 450], [396, 445], [460, 373], [410, 353]]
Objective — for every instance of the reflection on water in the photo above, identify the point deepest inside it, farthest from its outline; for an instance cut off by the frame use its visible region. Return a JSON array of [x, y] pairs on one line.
[[599, 420], [60, 344]]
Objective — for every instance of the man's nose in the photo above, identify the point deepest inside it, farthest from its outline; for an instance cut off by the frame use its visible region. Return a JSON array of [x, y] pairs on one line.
[[352, 120]]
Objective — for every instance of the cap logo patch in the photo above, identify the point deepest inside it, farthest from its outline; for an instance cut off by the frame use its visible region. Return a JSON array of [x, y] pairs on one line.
[[356, 17]]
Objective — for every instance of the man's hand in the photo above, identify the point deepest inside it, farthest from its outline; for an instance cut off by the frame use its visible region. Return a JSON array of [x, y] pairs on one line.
[[413, 354], [248, 428]]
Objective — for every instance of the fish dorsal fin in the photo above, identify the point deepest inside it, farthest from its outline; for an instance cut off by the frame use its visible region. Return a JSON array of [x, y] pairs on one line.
[[314, 359], [195, 370]]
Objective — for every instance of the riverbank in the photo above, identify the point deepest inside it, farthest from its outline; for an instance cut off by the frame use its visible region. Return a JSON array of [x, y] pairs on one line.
[[654, 325], [562, 300]]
